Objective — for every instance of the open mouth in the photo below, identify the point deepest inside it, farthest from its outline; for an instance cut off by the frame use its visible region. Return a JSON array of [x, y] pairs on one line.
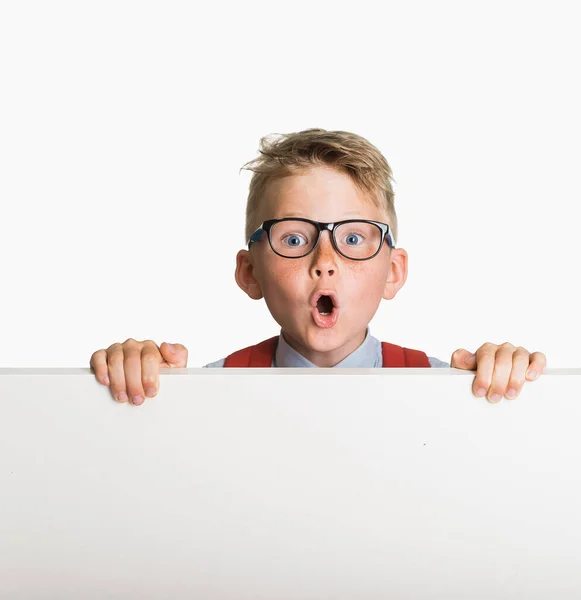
[[325, 309], [325, 305]]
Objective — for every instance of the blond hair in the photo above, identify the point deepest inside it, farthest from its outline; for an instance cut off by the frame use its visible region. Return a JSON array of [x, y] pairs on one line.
[[289, 154]]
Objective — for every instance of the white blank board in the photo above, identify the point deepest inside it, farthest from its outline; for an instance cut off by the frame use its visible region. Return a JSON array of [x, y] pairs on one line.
[[289, 484]]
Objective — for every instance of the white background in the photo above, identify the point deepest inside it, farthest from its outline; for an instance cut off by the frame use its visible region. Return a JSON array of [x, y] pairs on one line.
[[123, 126]]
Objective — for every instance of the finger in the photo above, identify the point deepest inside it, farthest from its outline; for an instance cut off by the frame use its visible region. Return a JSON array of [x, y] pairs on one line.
[[502, 371], [520, 363], [175, 355], [485, 356], [538, 362], [116, 373], [150, 362], [132, 365], [99, 364], [463, 359]]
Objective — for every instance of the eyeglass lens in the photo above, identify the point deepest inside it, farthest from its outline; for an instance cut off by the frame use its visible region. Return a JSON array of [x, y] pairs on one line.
[[294, 239]]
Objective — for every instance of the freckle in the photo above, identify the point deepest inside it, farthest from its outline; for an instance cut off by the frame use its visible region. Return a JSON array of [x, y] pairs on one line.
[[294, 269]]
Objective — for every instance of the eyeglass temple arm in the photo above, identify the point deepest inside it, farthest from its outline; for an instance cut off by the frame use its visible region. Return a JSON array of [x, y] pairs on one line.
[[255, 236]]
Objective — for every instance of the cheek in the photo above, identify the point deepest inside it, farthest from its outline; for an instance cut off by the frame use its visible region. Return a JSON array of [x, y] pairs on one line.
[[368, 281], [281, 278]]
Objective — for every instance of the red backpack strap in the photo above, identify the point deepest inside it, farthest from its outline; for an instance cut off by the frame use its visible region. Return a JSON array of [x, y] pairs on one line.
[[398, 357], [260, 355]]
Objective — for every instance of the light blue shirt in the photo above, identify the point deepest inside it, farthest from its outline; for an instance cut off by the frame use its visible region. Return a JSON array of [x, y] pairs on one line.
[[368, 355]]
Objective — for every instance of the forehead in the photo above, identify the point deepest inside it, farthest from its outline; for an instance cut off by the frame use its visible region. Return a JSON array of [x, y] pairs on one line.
[[322, 194]]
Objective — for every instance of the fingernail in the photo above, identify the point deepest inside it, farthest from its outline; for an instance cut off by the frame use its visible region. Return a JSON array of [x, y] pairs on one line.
[[532, 374], [105, 380], [468, 360], [150, 392], [495, 398], [480, 392], [511, 393], [137, 400], [122, 397], [172, 348]]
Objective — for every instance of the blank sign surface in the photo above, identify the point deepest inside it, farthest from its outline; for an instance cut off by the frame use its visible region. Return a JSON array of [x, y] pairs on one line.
[[289, 484]]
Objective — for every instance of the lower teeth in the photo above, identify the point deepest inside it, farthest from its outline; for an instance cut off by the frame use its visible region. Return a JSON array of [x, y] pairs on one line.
[[325, 314]]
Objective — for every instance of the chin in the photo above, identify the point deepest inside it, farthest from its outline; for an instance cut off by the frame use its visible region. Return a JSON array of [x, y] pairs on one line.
[[324, 340]]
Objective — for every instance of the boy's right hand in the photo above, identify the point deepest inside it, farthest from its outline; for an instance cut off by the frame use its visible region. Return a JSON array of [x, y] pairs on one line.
[[132, 368]]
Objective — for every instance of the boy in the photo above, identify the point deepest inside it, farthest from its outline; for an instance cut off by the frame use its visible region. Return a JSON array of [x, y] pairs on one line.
[[321, 230]]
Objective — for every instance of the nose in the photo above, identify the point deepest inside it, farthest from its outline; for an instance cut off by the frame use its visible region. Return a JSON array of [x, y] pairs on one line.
[[324, 261]]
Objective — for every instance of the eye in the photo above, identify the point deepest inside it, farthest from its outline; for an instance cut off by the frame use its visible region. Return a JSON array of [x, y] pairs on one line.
[[352, 239], [294, 240]]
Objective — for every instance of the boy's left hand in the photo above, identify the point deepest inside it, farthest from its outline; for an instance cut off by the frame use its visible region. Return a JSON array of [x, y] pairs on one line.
[[500, 370]]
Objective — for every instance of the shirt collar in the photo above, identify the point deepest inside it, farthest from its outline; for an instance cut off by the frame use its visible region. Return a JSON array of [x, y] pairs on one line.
[[367, 355]]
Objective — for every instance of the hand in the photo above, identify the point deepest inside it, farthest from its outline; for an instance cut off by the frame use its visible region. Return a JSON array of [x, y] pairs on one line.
[[134, 367], [500, 370]]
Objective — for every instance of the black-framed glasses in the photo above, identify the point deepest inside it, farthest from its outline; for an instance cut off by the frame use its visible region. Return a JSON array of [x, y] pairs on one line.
[[294, 237]]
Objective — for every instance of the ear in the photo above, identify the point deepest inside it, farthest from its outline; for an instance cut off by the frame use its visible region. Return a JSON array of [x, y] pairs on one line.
[[398, 273], [245, 275]]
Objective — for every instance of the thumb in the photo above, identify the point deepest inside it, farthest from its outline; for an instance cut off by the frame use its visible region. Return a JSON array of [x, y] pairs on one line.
[[175, 355], [463, 359]]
